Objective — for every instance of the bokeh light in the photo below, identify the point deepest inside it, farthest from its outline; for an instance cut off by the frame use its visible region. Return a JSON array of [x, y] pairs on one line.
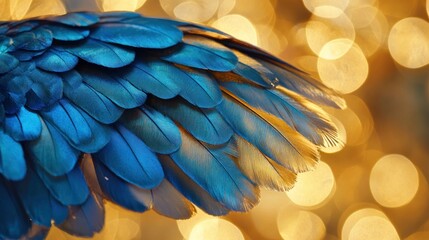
[[394, 180], [114, 5], [299, 224], [214, 229], [409, 42], [237, 26], [346, 73], [314, 187], [190, 10], [326, 8], [320, 31], [368, 224]]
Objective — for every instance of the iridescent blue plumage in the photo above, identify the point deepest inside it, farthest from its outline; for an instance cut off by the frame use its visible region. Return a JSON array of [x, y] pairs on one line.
[[172, 113]]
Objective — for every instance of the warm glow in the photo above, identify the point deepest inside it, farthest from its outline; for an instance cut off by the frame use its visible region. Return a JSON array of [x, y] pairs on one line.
[[19, 8], [368, 224], [237, 26], [40, 8], [345, 74], [115, 5], [214, 229], [335, 48], [186, 226], [298, 224], [264, 215], [225, 7], [312, 188], [326, 8], [190, 10], [320, 31], [409, 42], [394, 181]]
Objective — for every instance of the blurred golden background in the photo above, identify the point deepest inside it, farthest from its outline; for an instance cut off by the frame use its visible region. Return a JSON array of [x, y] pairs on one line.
[[376, 52]]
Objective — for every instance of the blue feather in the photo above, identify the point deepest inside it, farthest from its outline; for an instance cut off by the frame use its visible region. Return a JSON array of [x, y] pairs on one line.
[[190, 189], [138, 35], [198, 88], [101, 53], [269, 134], [12, 162], [199, 53], [157, 131], [77, 19], [152, 77], [56, 60], [13, 221], [100, 135], [68, 189], [65, 33], [212, 169], [206, 125], [36, 40], [299, 114], [7, 63], [47, 88], [120, 191], [40, 206], [130, 159], [52, 152], [69, 121], [301, 83], [252, 70], [86, 219], [120, 91], [94, 103], [23, 126]]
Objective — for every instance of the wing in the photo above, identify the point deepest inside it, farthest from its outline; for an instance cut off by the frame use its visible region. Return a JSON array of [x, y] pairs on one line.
[[149, 114]]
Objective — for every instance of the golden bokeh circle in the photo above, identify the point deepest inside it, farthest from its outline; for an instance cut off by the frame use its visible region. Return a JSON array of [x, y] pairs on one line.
[[320, 31], [291, 225], [346, 73], [313, 188], [326, 8], [214, 229], [190, 10], [368, 224], [409, 42], [394, 181], [114, 5], [237, 26]]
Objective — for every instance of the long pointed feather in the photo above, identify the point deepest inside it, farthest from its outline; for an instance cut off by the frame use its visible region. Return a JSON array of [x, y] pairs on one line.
[[191, 190], [269, 133], [213, 170], [262, 170]]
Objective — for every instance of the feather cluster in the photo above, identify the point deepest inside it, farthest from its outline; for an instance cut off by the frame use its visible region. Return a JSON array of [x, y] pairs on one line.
[[149, 114]]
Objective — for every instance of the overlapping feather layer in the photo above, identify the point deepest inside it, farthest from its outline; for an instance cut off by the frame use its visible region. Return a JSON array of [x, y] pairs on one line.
[[149, 114]]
